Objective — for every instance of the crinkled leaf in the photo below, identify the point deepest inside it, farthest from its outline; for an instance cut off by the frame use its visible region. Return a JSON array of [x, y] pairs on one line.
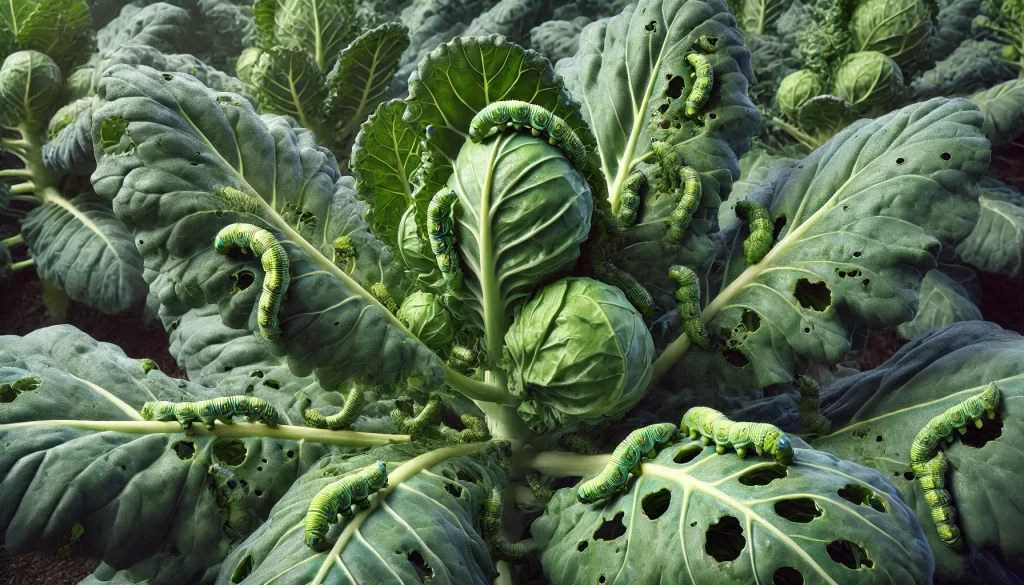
[[997, 242], [133, 54], [897, 399], [826, 115], [69, 148], [361, 79], [80, 246], [973, 66], [384, 158], [227, 29], [320, 27], [758, 16], [165, 27], [197, 161], [54, 475], [558, 39], [756, 167], [1003, 106], [59, 28], [290, 84], [706, 521], [859, 223], [943, 301], [13, 16], [953, 25], [421, 527], [264, 13]]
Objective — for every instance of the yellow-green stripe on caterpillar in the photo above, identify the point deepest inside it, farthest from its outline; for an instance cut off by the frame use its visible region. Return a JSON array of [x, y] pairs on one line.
[[635, 292], [706, 43], [339, 497], [503, 549], [810, 414], [631, 197], [208, 411], [519, 114], [275, 266], [540, 491], [415, 424], [344, 418], [440, 228], [462, 358], [381, 293], [928, 442], [688, 202], [476, 430], [626, 459], [345, 253], [703, 78], [713, 426], [688, 308], [761, 237]]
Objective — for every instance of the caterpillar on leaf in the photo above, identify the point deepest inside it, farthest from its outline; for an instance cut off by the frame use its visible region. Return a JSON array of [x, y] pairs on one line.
[[208, 411], [339, 497], [341, 420], [381, 293], [635, 292], [413, 425], [706, 43], [761, 237], [626, 459], [540, 491], [631, 197], [809, 411], [440, 228], [345, 253], [275, 263], [503, 549], [688, 202], [519, 114], [688, 308], [476, 430], [703, 79], [713, 426], [927, 444]]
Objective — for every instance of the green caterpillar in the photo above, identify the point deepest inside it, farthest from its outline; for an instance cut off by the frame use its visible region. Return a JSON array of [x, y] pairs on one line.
[[625, 459], [635, 292], [809, 400], [518, 114], [76, 536], [683, 213], [461, 358], [540, 491], [344, 418], [613, 227], [339, 497], [381, 293], [275, 266], [688, 308], [711, 425], [503, 549], [440, 227], [475, 432], [761, 237], [345, 253], [706, 43], [208, 411], [413, 425], [927, 444], [631, 197], [577, 444], [704, 78]]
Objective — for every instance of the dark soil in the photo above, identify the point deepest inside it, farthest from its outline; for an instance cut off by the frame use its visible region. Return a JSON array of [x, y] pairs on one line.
[[40, 569]]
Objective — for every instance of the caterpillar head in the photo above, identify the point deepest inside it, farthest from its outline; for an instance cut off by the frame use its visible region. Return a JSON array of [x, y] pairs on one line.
[[783, 450], [221, 245], [379, 480], [147, 411], [161, 410], [314, 540]]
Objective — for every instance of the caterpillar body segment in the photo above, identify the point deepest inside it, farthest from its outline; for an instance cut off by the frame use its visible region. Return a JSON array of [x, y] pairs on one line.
[[635, 292], [516, 552], [381, 293], [540, 491], [809, 410], [276, 267], [706, 43], [709, 426], [688, 307], [344, 418], [931, 477], [577, 444], [630, 204], [519, 114], [338, 497], [415, 424], [682, 215], [345, 253], [762, 229], [208, 411], [440, 228], [626, 459], [703, 79]]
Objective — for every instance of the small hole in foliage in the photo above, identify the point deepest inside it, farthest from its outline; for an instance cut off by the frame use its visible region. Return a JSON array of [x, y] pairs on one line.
[[849, 554], [651, 26], [168, 76], [259, 468], [675, 87], [846, 208], [787, 576], [242, 570], [665, 124], [866, 282], [946, 156], [862, 496], [611, 529], [123, 468], [141, 242], [712, 115], [601, 579], [735, 358], [230, 451], [751, 320], [258, 493], [271, 383], [655, 504], [687, 454], [263, 460], [908, 475], [290, 454], [763, 475], [184, 449], [724, 539], [453, 489], [977, 438], [582, 546], [663, 107], [900, 161], [856, 254], [807, 329], [423, 570], [812, 295], [780, 224], [10, 392], [878, 439], [244, 280], [799, 510]]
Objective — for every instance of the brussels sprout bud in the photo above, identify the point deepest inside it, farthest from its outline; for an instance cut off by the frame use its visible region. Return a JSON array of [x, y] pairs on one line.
[[30, 85], [899, 29], [66, 115], [796, 88], [79, 83], [870, 81], [246, 61], [427, 319], [1010, 53]]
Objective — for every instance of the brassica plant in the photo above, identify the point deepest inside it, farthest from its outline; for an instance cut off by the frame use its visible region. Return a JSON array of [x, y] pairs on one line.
[[464, 291]]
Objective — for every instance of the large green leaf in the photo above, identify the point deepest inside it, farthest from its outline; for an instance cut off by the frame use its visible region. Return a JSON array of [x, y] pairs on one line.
[[756, 167], [165, 27], [384, 158], [321, 27], [859, 223], [997, 242], [420, 528], [943, 301], [59, 28], [80, 246], [721, 519], [758, 16], [13, 16], [69, 147], [134, 54], [973, 66], [77, 451], [290, 83], [193, 161], [1003, 106], [876, 415]]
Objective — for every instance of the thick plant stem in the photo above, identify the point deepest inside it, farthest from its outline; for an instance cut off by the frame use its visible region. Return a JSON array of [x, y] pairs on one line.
[[236, 430], [23, 265], [13, 241], [22, 188], [477, 390], [798, 134], [565, 464], [505, 424], [15, 174]]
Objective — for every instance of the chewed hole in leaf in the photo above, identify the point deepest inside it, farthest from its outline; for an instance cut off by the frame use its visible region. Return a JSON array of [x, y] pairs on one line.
[[675, 87], [946, 156], [751, 320], [272, 383], [656, 503], [229, 451], [168, 76], [862, 495], [799, 510], [908, 475], [582, 546], [423, 570], [184, 449], [687, 454], [651, 26], [978, 438], [114, 139], [735, 358], [812, 295], [9, 392], [900, 160], [763, 475], [724, 539], [849, 554], [243, 280], [453, 489], [787, 576], [780, 224], [601, 579], [242, 570], [611, 529]]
